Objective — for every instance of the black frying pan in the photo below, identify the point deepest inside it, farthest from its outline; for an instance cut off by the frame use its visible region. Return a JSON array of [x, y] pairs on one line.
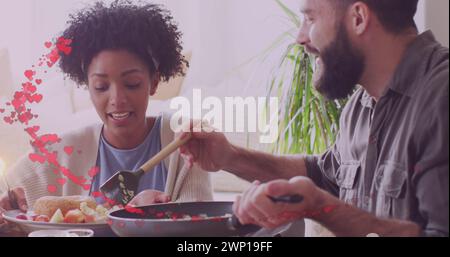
[[166, 220]]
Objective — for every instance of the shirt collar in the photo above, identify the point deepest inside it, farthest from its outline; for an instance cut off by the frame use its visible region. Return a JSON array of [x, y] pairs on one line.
[[413, 64], [367, 100], [409, 69]]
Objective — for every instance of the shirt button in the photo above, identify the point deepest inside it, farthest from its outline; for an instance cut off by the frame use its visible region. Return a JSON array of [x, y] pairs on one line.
[[366, 200], [373, 139]]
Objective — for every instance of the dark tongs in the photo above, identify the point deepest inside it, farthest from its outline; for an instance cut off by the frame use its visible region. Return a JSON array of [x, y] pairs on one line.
[[122, 187]]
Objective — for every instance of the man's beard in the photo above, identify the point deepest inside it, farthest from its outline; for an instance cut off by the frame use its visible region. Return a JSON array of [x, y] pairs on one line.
[[341, 68]]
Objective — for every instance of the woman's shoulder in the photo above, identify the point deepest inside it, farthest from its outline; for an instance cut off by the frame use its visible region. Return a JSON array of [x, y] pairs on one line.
[[86, 133], [82, 139]]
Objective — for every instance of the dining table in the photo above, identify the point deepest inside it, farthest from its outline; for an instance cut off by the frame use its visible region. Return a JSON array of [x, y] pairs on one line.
[[295, 229], [10, 230]]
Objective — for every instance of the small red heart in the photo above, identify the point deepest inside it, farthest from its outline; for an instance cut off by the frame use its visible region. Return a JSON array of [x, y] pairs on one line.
[[36, 158], [29, 88], [37, 98], [121, 224], [8, 120], [48, 44], [61, 181], [97, 194], [68, 150], [29, 74], [140, 223], [93, 172], [51, 188], [38, 81]]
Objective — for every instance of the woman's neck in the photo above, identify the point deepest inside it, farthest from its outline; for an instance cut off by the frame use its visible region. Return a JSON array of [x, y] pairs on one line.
[[130, 139]]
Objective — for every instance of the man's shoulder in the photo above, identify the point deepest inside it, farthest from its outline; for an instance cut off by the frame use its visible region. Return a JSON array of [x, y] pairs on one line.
[[434, 84], [435, 76], [430, 99], [438, 57]]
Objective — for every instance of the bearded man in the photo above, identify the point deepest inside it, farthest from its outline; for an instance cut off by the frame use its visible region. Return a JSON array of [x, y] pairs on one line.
[[387, 173]]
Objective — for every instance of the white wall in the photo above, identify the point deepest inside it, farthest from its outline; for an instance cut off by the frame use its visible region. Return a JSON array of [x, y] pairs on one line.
[[16, 32], [433, 14], [437, 19], [222, 33]]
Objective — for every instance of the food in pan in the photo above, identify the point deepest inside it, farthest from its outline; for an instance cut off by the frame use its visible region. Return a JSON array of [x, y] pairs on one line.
[[186, 217]]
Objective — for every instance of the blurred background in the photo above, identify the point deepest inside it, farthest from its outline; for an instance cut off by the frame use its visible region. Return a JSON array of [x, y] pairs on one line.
[[226, 41]]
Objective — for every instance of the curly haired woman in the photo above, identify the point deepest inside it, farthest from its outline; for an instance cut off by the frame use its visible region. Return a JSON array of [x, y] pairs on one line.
[[120, 52]]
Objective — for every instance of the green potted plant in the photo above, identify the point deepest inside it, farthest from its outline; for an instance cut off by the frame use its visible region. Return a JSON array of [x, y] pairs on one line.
[[308, 122]]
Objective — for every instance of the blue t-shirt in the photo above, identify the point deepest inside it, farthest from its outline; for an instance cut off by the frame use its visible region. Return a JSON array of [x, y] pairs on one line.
[[111, 160]]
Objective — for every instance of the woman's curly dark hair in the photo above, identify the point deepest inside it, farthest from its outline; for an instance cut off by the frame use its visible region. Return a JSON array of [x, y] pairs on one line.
[[146, 30]]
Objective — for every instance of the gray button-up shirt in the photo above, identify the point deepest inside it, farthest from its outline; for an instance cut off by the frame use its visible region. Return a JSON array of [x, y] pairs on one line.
[[391, 157]]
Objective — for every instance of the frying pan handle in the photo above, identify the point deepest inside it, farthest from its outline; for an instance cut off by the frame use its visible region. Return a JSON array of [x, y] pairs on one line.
[[164, 153], [235, 225], [293, 199]]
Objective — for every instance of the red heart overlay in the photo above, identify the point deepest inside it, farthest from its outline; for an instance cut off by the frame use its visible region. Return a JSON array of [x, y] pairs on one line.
[[68, 150], [29, 74], [61, 181], [139, 223], [51, 188]]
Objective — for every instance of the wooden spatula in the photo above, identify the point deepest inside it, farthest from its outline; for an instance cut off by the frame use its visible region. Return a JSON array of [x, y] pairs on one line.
[[122, 186]]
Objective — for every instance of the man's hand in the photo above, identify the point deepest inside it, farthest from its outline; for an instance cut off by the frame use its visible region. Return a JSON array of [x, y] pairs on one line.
[[149, 197], [210, 150], [254, 206], [6, 204]]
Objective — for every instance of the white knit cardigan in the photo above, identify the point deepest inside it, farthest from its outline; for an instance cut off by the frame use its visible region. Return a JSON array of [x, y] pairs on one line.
[[183, 184]]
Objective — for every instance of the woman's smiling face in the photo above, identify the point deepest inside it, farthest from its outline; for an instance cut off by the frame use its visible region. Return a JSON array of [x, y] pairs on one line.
[[120, 86]]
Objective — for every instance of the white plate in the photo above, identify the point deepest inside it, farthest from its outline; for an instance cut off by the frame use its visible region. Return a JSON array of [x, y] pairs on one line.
[[28, 226]]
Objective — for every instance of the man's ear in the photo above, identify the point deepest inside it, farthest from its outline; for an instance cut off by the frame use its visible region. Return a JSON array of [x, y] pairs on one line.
[[360, 17], [156, 78]]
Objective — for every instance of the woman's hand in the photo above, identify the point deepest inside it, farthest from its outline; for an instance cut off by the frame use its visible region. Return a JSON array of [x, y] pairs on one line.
[[149, 197], [6, 204]]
